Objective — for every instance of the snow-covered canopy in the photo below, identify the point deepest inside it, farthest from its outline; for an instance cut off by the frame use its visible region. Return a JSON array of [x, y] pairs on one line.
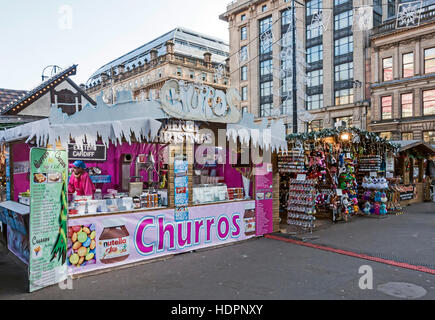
[[259, 134]]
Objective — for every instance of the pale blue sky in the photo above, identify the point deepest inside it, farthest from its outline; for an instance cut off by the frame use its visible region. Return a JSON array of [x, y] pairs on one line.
[[32, 35]]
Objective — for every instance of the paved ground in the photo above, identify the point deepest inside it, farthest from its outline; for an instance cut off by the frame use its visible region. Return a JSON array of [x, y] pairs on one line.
[[264, 268]]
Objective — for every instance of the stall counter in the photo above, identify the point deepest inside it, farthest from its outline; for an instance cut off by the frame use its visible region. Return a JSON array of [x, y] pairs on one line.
[[106, 241]]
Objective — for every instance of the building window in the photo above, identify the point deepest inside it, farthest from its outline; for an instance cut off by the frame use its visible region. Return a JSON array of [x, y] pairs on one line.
[[391, 8], [386, 135], [314, 32], [314, 101], [244, 73], [243, 33], [387, 69], [265, 67], [243, 17], [429, 102], [343, 20], [315, 78], [315, 125], [407, 104], [344, 96], [204, 77], [313, 7], [244, 93], [286, 107], [338, 2], [192, 75], [264, 8], [344, 71], [429, 60], [315, 54], [179, 72], [243, 54], [343, 46], [429, 137], [266, 41], [265, 110], [265, 25], [266, 89], [407, 136], [408, 65], [343, 122], [286, 17], [387, 108]]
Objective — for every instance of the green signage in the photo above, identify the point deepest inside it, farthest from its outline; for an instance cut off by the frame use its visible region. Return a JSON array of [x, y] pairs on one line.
[[48, 217]]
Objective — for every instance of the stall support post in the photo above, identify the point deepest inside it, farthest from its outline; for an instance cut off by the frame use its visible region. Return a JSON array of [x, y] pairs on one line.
[[420, 170], [276, 184], [190, 150]]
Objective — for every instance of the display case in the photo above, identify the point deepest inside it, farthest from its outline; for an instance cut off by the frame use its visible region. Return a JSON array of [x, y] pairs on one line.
[[210, 193]]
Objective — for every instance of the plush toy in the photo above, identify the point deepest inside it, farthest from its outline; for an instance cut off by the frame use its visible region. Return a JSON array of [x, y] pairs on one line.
[[375, 184], [369, 183], [384, 198], [367, 195], [372, 209], [366, 209], [383, 209], [378, 196], [364, 183], [377, 208], [383, 183]]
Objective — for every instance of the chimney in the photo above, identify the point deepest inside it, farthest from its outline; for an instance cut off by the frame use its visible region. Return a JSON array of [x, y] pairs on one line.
[[153, 54], [104, 77], [170, 49], [207, 60]]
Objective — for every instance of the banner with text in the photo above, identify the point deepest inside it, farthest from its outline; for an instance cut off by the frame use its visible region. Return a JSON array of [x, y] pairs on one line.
[[102, 242], [48, 217]]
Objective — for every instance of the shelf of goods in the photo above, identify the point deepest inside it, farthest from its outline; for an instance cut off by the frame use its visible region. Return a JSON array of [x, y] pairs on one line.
[[301, 203]]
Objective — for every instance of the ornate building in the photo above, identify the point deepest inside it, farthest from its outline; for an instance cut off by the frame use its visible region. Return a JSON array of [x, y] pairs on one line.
[[180, 54], [403, 79]]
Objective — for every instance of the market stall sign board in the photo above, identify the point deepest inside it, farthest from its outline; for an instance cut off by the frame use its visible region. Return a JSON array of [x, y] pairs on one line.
[[48, 217], [88, 153]]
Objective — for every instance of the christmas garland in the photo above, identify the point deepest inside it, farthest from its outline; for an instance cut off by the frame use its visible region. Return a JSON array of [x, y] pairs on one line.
[[369, 137]]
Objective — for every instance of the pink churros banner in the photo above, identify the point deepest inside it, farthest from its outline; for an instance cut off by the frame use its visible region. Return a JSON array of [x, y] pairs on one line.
[[114, 240], [264, 199]]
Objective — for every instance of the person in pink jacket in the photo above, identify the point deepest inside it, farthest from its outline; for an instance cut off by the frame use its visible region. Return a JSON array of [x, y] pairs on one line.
[[80, 182]]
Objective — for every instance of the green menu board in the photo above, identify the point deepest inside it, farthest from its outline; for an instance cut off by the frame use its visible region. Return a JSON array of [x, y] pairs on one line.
[[48, 217]]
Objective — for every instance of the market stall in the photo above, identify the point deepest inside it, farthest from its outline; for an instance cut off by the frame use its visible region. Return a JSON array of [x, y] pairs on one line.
[[108, 186], [412, 183], [335, 174]]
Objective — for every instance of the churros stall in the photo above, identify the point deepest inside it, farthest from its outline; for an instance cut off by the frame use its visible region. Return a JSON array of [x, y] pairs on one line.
[[167, 176]]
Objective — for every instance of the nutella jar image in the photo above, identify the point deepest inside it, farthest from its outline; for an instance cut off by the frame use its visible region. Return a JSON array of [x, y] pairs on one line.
[[114, 242], [249, 220]]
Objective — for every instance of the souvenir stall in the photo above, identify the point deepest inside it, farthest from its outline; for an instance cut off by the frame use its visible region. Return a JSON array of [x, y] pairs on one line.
[[412, 185], [108, 186], [334, 174]]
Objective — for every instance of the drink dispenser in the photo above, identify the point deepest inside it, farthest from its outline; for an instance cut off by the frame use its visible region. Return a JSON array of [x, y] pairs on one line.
[[126, 160]]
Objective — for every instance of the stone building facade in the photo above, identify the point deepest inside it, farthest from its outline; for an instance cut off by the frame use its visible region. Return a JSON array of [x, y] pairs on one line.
[[180, 54], [337, 56], [403, 80]]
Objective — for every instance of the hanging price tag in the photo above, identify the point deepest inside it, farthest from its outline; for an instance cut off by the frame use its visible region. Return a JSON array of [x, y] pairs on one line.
[[301, 177]]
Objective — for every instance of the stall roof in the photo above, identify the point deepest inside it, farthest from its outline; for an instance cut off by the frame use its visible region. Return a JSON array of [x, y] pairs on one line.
[[422, 146]]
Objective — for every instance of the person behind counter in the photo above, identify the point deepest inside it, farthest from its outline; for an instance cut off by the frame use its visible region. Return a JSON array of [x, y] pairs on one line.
[[80, 182]]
